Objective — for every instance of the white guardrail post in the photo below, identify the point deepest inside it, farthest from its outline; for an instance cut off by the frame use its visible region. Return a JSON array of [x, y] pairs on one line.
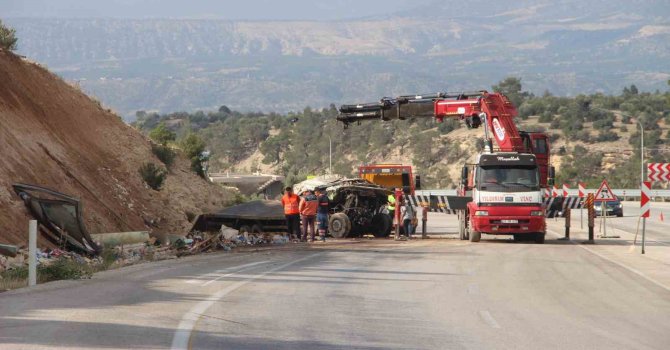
[[32, 253]]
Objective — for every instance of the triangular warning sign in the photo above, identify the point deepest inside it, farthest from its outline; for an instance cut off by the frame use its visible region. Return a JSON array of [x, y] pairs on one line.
[[604, 193]]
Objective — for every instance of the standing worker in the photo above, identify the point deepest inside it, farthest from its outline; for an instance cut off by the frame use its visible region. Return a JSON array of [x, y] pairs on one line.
[[391, 206], [308, 206], [322, 212], [408, 214], [291, 202]]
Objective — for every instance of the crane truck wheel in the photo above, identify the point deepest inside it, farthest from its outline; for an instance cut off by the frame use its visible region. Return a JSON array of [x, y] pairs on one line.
[[381, 225], [539, 238], [256, 229], [244, 229], [475, 236], [339, 225]]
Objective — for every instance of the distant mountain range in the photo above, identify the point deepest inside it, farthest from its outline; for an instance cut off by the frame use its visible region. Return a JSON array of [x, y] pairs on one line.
[[567, 47]]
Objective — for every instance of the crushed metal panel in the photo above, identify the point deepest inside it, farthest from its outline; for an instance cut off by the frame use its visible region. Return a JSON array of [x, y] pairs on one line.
[[60, 215]]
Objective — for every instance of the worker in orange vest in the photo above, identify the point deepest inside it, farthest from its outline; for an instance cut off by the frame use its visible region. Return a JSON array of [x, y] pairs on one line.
[[308, 206], [290, 201]]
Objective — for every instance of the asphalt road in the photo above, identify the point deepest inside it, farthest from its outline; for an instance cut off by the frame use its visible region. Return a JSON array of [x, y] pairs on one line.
[[430, 294]]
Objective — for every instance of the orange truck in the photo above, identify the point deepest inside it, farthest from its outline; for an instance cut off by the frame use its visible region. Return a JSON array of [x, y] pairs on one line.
[[391, 176]]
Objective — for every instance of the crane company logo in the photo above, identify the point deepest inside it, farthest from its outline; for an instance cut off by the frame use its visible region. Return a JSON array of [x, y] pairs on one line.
[[500, 131], [508, 159]]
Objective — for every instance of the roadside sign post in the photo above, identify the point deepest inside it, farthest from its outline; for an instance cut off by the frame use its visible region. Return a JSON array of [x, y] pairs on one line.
[[604, 195], [592, 215], [581, 209], [645, 194], [567, 223]]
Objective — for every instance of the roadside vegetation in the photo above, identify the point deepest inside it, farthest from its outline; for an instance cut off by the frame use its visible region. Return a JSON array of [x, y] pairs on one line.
[[8, 39], [63, 268], [584, 129]]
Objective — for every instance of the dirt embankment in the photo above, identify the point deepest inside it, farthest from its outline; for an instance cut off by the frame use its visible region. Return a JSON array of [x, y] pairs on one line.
[[53, 135]]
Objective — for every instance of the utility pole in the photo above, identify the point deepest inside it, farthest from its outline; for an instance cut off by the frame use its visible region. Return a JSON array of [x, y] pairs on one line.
[[330, 155]]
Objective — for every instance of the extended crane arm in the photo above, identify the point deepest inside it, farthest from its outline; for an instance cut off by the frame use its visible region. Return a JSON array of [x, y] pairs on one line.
[[495, 109]]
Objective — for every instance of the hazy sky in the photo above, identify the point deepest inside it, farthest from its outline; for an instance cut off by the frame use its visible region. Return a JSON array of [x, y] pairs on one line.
[[220, 9]]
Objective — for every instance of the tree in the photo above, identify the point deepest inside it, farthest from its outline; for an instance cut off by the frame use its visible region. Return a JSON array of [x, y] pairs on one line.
[[8, 38], [511, 87], [162, 135], [193, 146]]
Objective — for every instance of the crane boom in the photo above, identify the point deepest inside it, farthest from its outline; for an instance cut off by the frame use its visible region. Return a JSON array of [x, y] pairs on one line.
[[494, 110]]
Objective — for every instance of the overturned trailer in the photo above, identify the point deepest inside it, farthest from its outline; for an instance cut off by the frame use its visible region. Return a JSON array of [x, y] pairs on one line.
[[253, 217]]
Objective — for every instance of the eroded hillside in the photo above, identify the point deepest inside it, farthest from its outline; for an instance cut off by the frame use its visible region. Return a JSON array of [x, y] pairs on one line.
[[53, 135]]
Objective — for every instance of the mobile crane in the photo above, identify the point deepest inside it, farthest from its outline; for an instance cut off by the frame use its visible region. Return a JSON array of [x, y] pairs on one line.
[[501, 193]]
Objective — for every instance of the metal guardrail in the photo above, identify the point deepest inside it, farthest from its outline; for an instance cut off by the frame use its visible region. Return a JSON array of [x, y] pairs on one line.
[[628, 192]]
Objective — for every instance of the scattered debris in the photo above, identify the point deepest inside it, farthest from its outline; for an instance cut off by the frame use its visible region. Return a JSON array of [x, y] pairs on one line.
[[120, 238], [9, 250]]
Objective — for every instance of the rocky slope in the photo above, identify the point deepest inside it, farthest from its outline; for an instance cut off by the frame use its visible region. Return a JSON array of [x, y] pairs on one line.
[[53, 135]]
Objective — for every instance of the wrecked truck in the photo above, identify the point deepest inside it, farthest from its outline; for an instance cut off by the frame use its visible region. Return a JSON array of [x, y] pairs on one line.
[[357, 206]]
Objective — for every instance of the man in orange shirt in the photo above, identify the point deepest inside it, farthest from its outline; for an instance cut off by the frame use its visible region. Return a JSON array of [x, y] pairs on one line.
[[291, 202], [308, 206]]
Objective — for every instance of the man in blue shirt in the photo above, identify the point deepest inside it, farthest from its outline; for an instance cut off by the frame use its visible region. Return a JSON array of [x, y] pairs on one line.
[[322, 211]]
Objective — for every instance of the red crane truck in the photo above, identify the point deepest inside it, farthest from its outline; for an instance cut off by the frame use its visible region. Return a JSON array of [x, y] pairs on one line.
[[501, 192]]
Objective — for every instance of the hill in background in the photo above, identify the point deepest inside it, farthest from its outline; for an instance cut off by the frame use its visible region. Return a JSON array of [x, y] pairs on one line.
[[592, 137], [567, 47]]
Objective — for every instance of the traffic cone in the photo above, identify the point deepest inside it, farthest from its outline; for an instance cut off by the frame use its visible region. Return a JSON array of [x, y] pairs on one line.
[[661, 217]]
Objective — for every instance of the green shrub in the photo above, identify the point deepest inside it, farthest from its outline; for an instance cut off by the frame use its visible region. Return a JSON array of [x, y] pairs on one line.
[[164, 153], [64, 269], [546, 117], [152, 175], [162, 135], [8, 38]]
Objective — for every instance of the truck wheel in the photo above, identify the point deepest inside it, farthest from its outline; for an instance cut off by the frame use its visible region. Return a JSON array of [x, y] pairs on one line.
[[244, 229], [256, 229], [339, 225], [539, 238], [475, 236], [381, 225]]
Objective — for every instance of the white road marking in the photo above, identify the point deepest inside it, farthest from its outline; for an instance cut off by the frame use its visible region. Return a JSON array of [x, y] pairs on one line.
[[182, 335], [624, 266], [618, 263], [239, 268], [217, 272], [488, 318]]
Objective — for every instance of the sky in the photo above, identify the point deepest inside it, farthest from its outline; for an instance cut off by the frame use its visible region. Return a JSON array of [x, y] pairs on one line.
[[214, 9]]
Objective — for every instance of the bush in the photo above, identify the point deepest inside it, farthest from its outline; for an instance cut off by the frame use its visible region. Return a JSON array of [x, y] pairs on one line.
[[162, 135], [164, 153], [194, 148], [64, 269], [546, 117], [152, 175], [8, 38], [607, 135]]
